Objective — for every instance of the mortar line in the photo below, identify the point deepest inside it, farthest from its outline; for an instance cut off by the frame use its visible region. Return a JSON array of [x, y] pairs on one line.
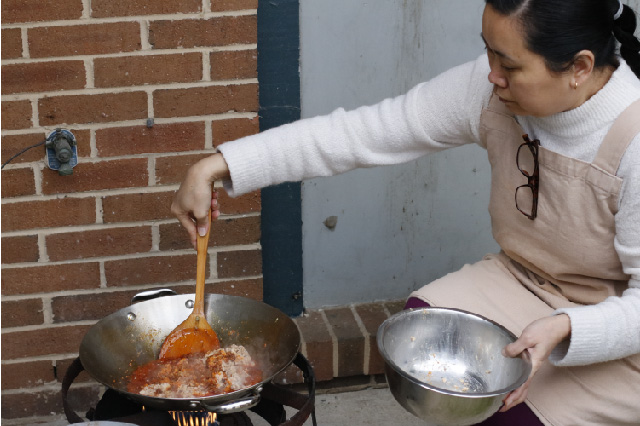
[[25, 42], [103, 275], [47, 310], [151, 172], [117, 289], [151, 52], [155, 237], [144, 35], [131, 89], [43, 256], [367, 340], [173, 253], [133, 123], [206, 66], [89, 71], [93, 144], [86, 9], [99, 210], [334, 342], [136, 18]]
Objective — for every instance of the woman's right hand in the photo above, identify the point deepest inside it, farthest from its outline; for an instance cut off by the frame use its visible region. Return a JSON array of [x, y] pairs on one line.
[[194, 199]]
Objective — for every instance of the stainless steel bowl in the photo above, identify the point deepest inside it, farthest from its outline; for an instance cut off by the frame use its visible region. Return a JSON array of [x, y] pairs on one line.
[[445, 366]]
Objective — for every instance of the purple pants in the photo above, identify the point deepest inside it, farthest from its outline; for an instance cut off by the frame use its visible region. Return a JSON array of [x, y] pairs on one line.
[[520, 415]]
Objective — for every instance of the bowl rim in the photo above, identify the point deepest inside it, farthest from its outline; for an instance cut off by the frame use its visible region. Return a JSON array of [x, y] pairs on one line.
[[416, 311]]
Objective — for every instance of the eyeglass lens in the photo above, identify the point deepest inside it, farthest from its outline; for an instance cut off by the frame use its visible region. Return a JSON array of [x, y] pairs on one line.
[[526, 159]]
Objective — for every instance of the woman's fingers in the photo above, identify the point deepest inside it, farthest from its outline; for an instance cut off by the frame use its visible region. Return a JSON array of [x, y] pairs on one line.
[[516, 397]]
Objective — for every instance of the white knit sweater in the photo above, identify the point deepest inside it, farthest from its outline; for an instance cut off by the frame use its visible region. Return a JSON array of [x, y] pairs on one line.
[[444, 113]]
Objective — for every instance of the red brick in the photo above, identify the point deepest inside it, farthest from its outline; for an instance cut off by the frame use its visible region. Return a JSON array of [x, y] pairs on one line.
[[141, 70], [225, 232], [318, 342], [350, 341], [395, 306], [176, 137], [190, 33], [246, 203], [96, 39], [224, 5], [245, 288], [50, 278], [22, 312], [43, 77], [11, 43], [16, 115], [233, 64], [239, 263], [13, 144], [103, 242], [48, 214], [89, 307], [97, 176], [41, 342], [173, 169], [20, 249], [61, 367], [18, 182], [109, 8], [27, 374], [234, 128], [151, 270], [44, 403], [82, 109], [205, 100], [137, 207], [14, 11]]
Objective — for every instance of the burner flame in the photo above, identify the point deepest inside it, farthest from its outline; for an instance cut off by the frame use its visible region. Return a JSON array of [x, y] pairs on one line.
[[194, 418]]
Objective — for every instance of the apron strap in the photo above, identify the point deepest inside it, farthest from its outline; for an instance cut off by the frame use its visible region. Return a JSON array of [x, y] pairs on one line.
[[624, 130]]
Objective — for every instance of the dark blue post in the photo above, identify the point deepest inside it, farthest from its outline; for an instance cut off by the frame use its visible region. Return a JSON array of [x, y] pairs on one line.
[[279, 80]]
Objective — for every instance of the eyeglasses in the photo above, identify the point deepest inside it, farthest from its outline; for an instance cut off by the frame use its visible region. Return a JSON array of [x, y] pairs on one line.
[[527, 162]]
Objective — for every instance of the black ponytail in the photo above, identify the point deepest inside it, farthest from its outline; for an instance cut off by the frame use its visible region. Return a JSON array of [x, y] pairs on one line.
[[624, 28], [558, 30]]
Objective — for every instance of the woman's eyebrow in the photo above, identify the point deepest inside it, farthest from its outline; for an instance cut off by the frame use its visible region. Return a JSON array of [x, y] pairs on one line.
[[497, 52]]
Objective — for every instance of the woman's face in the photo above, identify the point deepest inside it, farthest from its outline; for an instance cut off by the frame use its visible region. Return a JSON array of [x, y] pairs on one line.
[[520, 77]]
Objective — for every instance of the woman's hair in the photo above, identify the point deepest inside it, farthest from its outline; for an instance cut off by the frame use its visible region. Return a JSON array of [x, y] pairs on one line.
[[558, 30]]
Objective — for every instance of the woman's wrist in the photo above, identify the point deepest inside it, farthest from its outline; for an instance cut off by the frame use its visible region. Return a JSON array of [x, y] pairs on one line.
[[213, 168], [563, 324]]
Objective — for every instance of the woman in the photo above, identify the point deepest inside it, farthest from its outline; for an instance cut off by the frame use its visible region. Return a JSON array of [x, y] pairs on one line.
[[565, 197]]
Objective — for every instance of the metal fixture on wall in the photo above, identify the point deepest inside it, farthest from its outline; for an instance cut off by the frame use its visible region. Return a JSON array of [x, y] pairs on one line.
[[62, 151]]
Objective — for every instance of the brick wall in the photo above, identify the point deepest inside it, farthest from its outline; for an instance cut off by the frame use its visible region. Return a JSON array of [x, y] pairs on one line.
[[76, 248]]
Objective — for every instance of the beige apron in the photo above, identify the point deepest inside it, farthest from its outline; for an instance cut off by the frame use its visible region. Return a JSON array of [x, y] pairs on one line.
[[563, 258]]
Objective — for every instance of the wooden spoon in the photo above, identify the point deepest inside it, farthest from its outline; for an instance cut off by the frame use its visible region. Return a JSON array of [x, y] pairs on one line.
[[194, 335]]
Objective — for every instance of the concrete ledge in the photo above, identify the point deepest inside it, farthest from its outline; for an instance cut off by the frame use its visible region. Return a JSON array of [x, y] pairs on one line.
[[340, 342]]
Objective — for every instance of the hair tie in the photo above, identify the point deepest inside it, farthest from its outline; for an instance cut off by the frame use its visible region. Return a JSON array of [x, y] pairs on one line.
[[619, 12]]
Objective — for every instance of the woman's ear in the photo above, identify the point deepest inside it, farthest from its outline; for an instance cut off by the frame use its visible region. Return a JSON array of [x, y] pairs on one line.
[[583, 65]]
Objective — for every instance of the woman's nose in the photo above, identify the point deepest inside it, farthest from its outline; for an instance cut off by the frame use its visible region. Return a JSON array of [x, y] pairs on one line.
[[497, 79]]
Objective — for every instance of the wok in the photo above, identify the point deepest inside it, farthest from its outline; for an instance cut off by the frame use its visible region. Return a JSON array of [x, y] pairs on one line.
[[119, 343]]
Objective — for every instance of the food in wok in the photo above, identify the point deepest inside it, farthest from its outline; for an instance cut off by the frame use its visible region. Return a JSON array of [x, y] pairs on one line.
[[220, 371]]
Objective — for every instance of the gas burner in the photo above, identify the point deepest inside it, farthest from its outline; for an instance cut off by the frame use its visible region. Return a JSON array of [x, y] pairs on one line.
[[116, 407]]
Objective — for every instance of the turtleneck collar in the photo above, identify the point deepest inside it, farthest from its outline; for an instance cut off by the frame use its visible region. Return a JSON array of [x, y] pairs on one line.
[[622, 89]]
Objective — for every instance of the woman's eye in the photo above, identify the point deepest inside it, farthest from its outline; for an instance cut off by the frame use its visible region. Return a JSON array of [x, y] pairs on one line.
[[508, 69]]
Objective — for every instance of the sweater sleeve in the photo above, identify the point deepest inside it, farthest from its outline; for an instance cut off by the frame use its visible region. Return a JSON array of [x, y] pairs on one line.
[[436, 115]]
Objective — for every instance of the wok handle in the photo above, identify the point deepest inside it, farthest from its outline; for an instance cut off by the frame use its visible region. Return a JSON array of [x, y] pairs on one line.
[[152, 294], [72, 372], [235, 406]]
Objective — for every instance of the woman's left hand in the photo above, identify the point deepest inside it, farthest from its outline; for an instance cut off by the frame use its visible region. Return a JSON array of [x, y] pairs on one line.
[[538, 339]]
